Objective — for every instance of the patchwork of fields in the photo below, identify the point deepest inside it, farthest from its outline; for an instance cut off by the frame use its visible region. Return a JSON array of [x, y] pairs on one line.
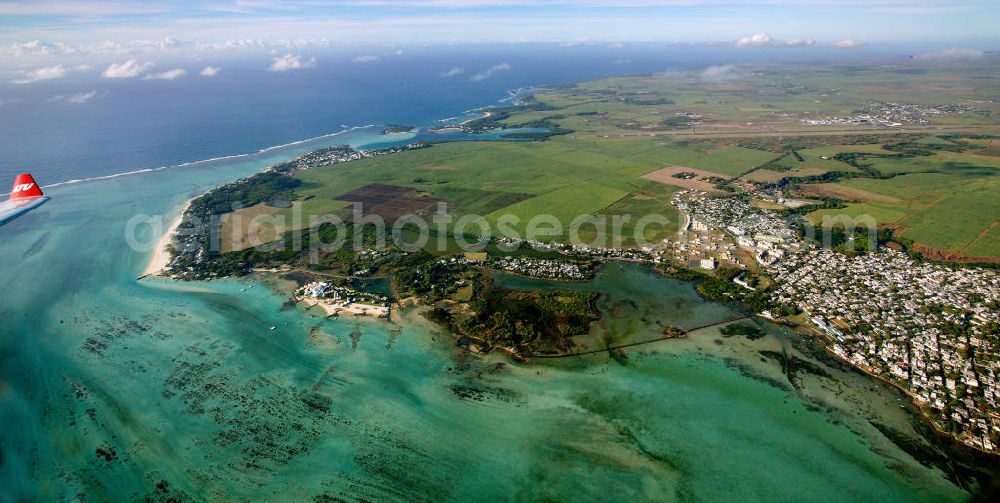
[[953, 215], [565, 178], [627, 133]]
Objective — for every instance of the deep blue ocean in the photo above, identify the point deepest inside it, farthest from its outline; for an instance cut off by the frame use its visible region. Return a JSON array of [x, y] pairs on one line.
[[133, 124]]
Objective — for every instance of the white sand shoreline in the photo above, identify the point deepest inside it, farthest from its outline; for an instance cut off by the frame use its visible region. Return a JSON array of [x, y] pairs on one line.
[[161, 255], [335, 308]]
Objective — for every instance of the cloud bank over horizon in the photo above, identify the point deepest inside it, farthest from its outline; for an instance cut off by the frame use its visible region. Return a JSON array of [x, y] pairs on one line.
[[765, 40], [58, 27], [52, 40]]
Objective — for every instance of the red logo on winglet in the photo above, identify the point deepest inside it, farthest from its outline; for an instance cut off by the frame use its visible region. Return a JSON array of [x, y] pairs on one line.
[[25, 187]]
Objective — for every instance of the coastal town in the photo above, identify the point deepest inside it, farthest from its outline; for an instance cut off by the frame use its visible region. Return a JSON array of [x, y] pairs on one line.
[[927, 328]]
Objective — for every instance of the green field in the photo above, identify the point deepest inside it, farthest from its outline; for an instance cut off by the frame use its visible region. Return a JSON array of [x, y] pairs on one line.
[[946, 211], [564, 177], [622, 128], [762, 99]]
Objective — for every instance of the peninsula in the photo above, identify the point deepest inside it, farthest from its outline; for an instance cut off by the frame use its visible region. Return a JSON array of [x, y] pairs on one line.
[[818, 200]]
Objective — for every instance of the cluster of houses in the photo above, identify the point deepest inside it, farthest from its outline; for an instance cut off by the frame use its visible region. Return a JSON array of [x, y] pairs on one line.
[[643, 254], [878, 113], [323, 157], [333, 155], [541, 268], [930, 329]]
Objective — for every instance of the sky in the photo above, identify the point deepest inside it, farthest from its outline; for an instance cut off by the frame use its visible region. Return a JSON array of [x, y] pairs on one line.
[[43, 40], [479, 21]]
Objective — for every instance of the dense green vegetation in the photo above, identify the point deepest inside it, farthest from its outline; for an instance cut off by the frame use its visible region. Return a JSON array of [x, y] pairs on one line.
[[530, 321], [721, 288]]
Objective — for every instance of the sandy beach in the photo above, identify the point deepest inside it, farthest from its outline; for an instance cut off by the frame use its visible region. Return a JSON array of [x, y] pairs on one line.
[[337, 308], [161, 256], [486, 114]]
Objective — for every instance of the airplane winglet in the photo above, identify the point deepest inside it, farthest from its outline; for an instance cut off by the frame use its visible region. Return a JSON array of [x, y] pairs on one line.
[[25, 187]]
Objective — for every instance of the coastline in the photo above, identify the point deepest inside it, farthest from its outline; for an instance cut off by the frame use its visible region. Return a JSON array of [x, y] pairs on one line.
[[260, 151], [804, 329], [161, 254]]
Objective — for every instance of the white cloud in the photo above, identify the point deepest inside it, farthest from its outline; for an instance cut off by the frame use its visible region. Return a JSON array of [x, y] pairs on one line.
[[301, 42], [483, 75], [953, 53], [126, 70], [44, 73], [77, 99], [81, 97], [209, 71], [167, 75], [721, 73], [617, 45], [847, 43], [452, 72], [756, 39], [765, 40], [291, 62], [162, 45], [230, 45], [49, 73], [36, 48], [367, 58]]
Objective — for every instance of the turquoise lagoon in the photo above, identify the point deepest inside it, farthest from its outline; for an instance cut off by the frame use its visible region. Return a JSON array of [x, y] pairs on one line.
[[115, 389]]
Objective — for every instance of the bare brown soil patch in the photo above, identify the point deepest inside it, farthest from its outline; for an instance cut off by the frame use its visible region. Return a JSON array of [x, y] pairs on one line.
[[389, 201], [698, 182], [939, 255], [991, 151], [255, 225], [768, 205], [951, 255]]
